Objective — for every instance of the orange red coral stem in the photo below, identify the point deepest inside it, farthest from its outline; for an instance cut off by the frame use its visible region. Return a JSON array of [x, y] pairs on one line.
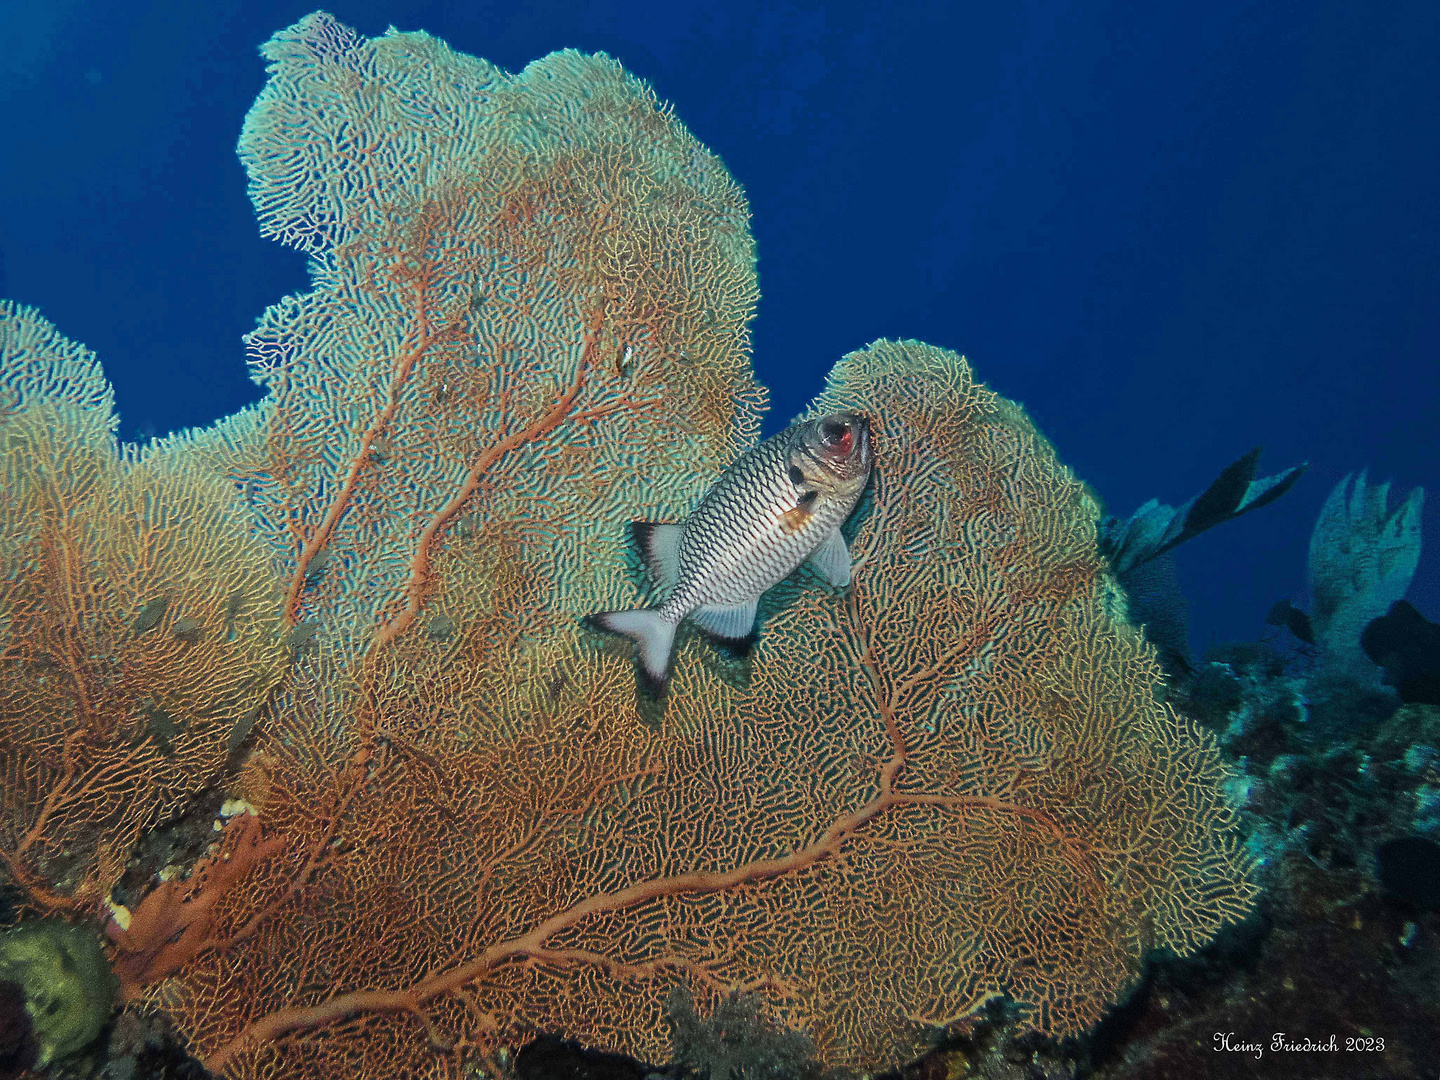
[[420, 576], [173, 924], [531, 946], [321, 536]]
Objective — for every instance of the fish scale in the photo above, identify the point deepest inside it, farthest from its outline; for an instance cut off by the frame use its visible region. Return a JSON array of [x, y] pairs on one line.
[[735, 546], [752, 529]]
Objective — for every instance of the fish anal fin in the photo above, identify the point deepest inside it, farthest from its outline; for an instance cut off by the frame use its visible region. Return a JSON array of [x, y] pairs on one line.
[[658, 543], [726, 623], [831, 560]]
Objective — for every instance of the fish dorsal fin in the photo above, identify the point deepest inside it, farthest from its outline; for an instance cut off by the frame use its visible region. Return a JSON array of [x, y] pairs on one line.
[[726, 623], [832, 560], [658, 543]]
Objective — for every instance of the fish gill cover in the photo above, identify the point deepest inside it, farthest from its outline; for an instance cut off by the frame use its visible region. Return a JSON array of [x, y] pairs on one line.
[[528, 326]]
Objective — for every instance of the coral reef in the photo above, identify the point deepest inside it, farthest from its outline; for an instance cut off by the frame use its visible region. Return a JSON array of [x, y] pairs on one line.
[[1407, 646], [1362, 559], [66, 983], [455, 825], [138, 625]]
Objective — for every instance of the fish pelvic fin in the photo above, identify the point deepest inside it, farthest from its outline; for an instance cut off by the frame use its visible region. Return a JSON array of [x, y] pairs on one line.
[[654, 639], [831, 560]]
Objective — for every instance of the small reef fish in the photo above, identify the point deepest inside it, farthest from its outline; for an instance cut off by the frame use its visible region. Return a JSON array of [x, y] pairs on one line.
[[776, 506]]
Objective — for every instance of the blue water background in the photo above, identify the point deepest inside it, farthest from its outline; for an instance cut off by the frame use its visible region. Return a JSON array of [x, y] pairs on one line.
[[1173, 231]]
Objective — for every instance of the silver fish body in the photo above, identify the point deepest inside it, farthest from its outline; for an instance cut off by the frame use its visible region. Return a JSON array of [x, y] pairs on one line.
[[779, 504]]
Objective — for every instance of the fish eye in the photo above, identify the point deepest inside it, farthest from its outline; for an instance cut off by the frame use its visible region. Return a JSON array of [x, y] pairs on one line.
[[834, 432]]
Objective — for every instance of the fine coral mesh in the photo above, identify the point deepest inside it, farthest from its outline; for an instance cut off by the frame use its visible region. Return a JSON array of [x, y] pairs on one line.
[[528, 327]]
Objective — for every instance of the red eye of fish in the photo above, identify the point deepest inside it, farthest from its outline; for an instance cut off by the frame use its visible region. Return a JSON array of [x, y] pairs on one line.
[[838, 439]]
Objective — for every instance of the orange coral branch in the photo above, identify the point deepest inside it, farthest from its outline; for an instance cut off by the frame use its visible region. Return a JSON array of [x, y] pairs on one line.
[[64, 795], [420, 576], [531, 946], [174, 923], [317, 541], [355, 774], [35, 889], [56, 796]]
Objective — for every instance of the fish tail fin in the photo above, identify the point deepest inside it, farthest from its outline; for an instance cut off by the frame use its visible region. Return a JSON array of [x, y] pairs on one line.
[[654, 639]]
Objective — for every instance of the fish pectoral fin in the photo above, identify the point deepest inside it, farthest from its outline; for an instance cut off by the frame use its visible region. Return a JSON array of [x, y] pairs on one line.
[[726, 623], [794, 519], [831, 560], [658, 543]]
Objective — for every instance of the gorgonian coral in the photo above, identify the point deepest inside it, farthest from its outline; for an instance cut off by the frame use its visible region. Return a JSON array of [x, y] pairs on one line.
[[528, 327]]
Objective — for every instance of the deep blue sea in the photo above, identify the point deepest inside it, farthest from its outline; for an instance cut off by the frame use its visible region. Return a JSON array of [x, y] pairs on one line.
[[1172, 231]]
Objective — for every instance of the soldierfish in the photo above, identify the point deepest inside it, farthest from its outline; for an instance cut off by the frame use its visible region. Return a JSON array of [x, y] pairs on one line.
[[776, 506]]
